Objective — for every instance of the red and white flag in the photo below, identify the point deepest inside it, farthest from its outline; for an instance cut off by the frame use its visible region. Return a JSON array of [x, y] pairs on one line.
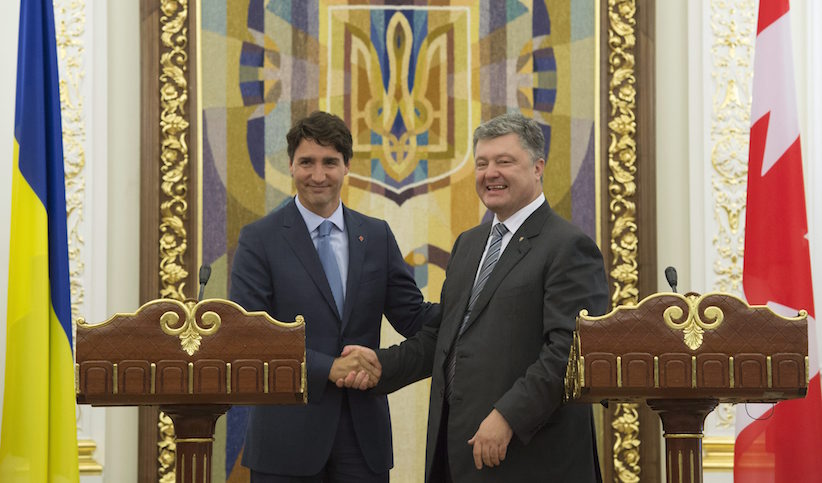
[[781, 443]]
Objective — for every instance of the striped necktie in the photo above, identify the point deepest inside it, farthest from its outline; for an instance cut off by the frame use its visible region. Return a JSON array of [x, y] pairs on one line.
[[484, 274]]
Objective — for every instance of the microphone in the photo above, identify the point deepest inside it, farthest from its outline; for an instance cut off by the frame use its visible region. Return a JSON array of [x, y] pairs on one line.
[[670, 275], [205, 274]]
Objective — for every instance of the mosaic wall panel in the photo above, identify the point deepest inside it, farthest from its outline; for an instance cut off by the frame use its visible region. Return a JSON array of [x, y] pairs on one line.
[[411, 80]]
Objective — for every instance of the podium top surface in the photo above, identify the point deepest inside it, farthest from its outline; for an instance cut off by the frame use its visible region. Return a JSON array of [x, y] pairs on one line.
[[207, 352], [689, 346]]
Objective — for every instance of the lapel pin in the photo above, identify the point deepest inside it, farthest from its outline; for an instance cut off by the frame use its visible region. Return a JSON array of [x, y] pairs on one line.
[[361, 238], [521, 238]]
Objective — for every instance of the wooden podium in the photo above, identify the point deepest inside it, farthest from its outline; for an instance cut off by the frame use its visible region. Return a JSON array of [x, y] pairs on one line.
[[194, 360], [683, 355]]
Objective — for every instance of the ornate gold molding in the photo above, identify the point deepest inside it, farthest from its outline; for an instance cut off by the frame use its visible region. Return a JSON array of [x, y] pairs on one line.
[[166, 450], [626, 444], [719, 453], [174, 150], [88, 465], [622, 150], [624, 244]]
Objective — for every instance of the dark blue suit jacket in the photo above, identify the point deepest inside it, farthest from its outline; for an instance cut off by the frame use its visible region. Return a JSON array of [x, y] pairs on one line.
[[276, 269]]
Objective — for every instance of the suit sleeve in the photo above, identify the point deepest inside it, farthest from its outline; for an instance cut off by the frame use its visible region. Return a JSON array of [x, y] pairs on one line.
[[413, 359], [573, 280], [405, 307], [252, 287]]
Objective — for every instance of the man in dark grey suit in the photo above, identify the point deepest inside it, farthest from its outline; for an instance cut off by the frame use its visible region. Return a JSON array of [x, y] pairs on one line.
[[342, 271], [512, 291]]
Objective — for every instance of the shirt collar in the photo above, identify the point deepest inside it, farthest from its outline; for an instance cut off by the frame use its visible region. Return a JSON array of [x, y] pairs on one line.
[[313, 220], [517, 219]]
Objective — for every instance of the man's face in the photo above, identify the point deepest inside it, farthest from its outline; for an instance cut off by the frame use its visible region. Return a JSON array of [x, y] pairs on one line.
[[318, 172], [506, 179]]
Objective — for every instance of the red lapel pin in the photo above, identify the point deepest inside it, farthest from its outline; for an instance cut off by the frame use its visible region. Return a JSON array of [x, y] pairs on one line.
[[361, 238]]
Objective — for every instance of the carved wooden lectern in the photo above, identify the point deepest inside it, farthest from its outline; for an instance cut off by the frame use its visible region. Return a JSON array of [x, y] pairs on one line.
[[194, 360], [683, 355]]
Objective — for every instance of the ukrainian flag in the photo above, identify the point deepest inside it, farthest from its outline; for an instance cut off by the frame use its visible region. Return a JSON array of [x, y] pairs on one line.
[[38, 442]]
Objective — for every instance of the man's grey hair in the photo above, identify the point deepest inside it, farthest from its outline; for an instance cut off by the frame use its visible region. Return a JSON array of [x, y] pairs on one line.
[[529, 132]]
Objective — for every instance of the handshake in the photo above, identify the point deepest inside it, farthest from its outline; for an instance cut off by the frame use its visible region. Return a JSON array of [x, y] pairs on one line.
[[357, 367]]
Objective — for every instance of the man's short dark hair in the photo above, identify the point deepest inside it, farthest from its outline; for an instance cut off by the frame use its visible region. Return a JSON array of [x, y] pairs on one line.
[[323, 128]]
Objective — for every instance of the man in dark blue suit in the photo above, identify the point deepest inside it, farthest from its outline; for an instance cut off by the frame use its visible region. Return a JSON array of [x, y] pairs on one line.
[[342, 271]]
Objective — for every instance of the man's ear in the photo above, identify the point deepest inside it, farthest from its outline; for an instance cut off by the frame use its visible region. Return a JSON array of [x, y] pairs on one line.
[[539, 167]]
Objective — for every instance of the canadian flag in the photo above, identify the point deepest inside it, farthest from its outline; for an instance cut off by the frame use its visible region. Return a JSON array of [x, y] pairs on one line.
[[781, 443]]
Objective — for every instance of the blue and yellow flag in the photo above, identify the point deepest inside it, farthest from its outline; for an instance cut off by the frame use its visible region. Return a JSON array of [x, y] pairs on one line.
[[38, 442]]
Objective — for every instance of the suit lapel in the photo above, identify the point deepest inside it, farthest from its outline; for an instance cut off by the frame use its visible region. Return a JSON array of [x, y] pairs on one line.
[[465, 271], [298, 238], [357, 242], [519, 245]]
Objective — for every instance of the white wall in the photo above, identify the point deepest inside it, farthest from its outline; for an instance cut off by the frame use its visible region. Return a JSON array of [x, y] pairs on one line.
[[123, 226]]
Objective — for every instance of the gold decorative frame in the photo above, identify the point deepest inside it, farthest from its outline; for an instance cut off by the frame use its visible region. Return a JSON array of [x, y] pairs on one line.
[[170, 214], [627, 128]]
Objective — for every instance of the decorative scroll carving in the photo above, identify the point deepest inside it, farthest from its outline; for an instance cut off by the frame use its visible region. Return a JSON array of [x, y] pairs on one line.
[[693, 326], [733, 27], [166, 450], [189, 330], [174, 148], [174, 186], [622, 189], [622, 150], [626, 445]]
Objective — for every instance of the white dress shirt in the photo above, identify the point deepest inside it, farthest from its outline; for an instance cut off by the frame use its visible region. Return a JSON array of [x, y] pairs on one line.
[[512, 223], [339, 240]]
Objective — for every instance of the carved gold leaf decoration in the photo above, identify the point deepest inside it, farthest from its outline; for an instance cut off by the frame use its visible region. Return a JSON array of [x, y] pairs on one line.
[[693, 326], [626, 444], [174, 185], [174, 151], [189, 331], [166, 449], [624, 243]]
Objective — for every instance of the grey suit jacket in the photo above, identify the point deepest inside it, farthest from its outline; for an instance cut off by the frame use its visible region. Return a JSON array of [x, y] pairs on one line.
[[513, 354]]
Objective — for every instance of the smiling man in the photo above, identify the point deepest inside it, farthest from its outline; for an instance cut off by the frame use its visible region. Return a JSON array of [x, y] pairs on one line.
[[512, 291], [342, 271]]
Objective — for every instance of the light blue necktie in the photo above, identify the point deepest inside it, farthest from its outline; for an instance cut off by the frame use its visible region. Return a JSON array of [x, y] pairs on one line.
[[329, 261], [494, 249]]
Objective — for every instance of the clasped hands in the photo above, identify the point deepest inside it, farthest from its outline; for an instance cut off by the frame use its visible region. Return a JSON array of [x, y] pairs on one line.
[[357, 367]]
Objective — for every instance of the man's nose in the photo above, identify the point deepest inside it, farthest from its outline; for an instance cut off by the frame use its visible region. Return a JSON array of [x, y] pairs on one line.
[[317, 173], [492, 171]]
